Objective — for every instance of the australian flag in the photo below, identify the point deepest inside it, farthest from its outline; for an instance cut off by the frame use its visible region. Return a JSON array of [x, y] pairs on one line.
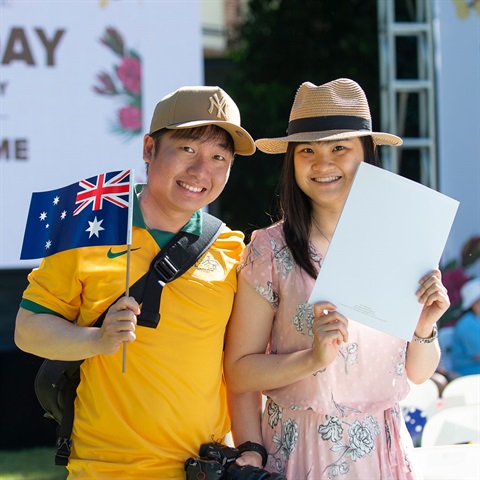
[[90, 212]]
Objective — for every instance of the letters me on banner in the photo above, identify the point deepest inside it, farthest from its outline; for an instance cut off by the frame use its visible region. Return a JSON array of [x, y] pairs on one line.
[[91, 212]]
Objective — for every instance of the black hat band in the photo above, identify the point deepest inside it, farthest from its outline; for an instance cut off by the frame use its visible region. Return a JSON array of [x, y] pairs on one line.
[[331, 122]]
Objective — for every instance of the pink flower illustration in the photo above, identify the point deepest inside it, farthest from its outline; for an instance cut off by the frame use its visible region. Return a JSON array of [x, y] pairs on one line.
[[130, 74], [124, 83], [106, 87], [130, 118], [113, 40]]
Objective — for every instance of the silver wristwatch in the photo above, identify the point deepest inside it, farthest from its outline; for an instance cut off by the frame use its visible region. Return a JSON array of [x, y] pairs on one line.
[[430, 339]]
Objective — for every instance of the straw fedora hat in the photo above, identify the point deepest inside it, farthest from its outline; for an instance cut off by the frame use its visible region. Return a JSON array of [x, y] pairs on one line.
[[333, 111]]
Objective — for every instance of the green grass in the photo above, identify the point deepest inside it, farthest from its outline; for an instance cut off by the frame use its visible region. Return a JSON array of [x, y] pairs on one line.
[[31, 464]]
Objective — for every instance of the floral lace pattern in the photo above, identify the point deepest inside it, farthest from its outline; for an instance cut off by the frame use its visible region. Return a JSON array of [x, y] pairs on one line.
[[303, 319], [349, 352], [283, 258], [399, 362], [361, 441], [286, 441], [349, 441], [315, 256], [268, 294]]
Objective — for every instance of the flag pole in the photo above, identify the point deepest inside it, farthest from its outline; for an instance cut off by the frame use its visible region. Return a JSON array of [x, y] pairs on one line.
[[127, 293], [129, 244]]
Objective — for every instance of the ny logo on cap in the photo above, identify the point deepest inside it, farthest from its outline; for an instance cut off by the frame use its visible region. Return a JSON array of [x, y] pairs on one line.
[[219, 104]]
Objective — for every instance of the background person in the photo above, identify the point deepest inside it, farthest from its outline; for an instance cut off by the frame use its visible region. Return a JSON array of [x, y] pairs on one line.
[[333, 385], [146, 422], [465, 349]]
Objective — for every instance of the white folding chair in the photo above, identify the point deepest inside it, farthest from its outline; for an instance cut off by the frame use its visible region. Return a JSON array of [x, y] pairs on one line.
[[424, 397], [448, 462], [462, 391], [420, 403], [451, 426]]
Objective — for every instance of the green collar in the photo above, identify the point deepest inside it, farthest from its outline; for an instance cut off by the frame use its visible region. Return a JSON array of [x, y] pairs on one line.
[[194, 225]]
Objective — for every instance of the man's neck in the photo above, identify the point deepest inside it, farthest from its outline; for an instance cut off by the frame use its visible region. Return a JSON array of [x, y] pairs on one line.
[[156, 217]]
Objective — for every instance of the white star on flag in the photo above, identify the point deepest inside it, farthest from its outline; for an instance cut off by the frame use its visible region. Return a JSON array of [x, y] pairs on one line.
[[95, 227]]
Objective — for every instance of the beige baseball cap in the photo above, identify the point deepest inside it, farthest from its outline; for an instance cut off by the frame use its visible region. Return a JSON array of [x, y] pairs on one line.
[[190, 107]]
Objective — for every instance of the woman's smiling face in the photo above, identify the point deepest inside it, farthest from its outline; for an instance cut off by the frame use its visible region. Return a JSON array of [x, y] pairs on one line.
[[324, 171]]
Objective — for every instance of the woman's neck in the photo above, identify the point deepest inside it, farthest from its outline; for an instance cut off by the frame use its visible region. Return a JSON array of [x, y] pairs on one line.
[[325, 222]]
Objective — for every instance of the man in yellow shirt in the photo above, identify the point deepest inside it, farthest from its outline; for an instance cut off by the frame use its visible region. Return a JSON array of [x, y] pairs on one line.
[[146, 422]]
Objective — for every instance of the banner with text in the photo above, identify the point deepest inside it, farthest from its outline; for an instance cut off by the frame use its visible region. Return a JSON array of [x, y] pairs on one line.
[[78, 84]]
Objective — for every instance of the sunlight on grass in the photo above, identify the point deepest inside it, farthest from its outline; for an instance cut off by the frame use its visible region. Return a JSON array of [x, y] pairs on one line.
[[32, 464]]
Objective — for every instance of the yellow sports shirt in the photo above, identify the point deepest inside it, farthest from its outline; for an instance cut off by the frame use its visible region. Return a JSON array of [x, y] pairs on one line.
[[146, 422]]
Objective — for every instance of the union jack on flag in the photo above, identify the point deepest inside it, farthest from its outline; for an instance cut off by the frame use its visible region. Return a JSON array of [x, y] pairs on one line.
[[103, 189], [91, 212]]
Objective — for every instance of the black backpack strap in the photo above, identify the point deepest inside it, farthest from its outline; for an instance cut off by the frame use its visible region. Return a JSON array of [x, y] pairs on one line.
[[173, 261], [64, 430]]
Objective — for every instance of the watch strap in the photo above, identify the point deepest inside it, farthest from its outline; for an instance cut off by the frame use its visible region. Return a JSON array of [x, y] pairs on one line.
[[430, 339], [254, 447]]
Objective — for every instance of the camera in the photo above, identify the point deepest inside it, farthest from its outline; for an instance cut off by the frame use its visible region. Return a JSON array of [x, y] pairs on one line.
[[217, 462]]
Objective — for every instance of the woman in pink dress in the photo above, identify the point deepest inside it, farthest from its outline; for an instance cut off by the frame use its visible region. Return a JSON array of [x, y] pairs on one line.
[[332, 385]]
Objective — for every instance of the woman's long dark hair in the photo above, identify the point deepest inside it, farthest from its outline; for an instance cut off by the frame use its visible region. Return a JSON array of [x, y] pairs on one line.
[[296, 208]]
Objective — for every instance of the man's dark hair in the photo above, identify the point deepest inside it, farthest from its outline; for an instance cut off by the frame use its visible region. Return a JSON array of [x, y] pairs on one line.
[[197, 133]]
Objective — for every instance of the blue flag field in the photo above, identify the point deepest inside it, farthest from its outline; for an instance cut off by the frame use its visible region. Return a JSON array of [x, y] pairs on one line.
[[91, 212]]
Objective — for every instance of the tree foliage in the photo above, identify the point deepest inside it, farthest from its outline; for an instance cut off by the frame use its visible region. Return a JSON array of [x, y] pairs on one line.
[[279, 45]]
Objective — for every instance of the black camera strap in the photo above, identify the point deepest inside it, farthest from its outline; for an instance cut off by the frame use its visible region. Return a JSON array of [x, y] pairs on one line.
[[170, 263]]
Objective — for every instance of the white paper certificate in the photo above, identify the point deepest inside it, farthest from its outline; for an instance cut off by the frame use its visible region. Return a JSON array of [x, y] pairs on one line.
[[392, 231]]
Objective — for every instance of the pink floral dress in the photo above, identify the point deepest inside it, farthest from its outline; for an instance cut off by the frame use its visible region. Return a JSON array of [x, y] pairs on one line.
[[342, 422]]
